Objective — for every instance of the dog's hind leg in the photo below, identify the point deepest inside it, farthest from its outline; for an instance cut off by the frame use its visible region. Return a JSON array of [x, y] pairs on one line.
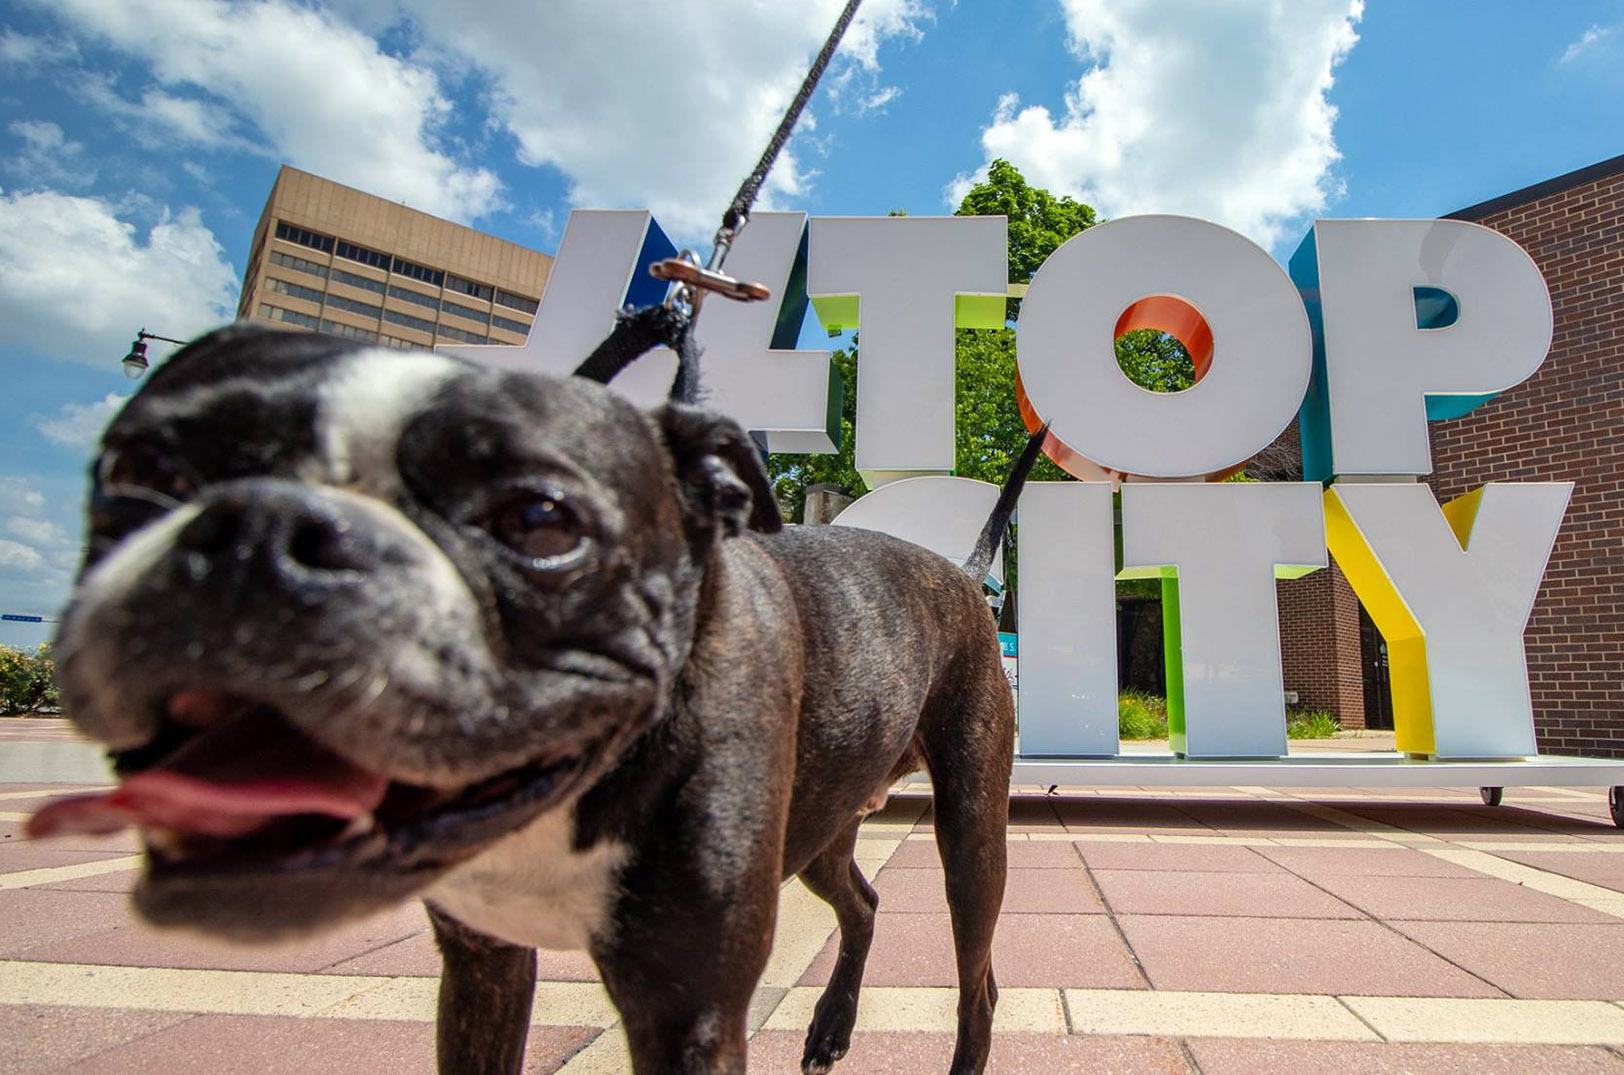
[[969, 762], [834, 877], [486, 988]]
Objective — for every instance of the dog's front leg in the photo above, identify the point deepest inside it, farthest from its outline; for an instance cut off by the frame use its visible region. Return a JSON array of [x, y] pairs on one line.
[[683, 977], [486, 988]]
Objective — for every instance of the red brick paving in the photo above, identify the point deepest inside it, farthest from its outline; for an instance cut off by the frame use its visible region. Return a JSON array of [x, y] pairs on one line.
[[1228, 1056], [1192, 892], [1077, 951], [928, 1054], [1532, 959], [1194, 916], [1291, 955]]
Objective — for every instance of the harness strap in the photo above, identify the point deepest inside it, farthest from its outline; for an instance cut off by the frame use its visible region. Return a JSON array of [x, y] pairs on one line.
[[638, 332]]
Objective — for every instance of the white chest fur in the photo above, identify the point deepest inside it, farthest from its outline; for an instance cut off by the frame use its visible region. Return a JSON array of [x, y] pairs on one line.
[[532, 888]]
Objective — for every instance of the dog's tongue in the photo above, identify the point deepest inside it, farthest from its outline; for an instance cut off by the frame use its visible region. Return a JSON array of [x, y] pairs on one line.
[[228, 781]]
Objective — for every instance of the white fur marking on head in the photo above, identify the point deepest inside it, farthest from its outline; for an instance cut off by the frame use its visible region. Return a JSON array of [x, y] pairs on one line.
[[366, 405]]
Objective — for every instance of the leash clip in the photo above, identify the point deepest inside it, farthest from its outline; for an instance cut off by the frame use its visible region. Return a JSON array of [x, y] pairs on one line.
[[691, 281]]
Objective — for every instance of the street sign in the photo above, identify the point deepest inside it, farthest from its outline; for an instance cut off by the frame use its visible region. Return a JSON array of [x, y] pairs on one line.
[[12, 616]]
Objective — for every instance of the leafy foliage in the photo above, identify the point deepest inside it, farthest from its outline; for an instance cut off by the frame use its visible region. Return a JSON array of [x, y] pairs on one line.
[[1141, 715], [1311, 724], [27, 681]]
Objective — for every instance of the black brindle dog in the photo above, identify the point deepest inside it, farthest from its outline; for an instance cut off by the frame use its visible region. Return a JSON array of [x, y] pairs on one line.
[[362, 625]]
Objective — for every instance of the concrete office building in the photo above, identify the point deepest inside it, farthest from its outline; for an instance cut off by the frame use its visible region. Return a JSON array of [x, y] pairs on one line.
[[329, 258]]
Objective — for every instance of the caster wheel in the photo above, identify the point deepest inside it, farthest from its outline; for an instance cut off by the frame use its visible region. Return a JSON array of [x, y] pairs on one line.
[[1491, 796], [1615, 803]]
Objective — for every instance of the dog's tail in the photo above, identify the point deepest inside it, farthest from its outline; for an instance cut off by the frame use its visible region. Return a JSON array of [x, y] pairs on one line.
[[993, 533]]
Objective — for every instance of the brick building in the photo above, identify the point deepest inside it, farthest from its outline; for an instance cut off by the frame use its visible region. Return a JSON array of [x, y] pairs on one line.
[[1566, 423]]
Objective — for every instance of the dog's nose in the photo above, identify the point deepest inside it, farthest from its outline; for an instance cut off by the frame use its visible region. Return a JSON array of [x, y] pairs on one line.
[[300, 534]]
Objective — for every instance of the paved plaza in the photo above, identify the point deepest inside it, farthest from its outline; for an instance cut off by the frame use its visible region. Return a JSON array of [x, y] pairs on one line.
[[1205, 931]]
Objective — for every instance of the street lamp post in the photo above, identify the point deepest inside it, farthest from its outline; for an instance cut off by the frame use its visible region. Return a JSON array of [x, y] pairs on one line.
[[135, 363]]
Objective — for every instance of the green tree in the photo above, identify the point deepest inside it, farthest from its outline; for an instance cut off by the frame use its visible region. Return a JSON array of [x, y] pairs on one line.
[[27, 681]]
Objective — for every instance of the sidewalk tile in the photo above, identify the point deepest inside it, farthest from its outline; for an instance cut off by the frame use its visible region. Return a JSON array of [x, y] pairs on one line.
[[1059, 891], [1501, 1022], [916, 1008], [224, 1043], [1233, 1056], [1596, 868], [1318, 863], [1206, 858], [879, 1053], [1456, 899], [1262, 895], [1278, 955], [12, 838], [39, 855], [36, 1039], [1549, 961], [1028, 950], [1022, 854], [1119, 815], [30, 917], [132, 943], [1183, 1014]]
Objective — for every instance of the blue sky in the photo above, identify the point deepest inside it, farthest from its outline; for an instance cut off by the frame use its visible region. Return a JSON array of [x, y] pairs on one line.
[[139, 139]]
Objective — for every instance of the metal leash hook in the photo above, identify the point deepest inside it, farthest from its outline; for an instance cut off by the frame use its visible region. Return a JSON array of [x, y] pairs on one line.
[[691, 281]]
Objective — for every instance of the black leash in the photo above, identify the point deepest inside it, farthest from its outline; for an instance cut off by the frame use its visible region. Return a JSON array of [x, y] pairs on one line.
[[637, 332]]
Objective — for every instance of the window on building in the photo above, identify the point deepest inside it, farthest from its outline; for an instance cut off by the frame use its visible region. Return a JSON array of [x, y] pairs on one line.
[[468, 287], [466, 311], [399, 344], [358, 281], [459, 335], [408, 295], [419, 272], [304, 238], [363, 255], [408, 320], [339, 302], [298, 291], [336, 329], [515, 302], [288, 261], [292, 317], [511, 325]]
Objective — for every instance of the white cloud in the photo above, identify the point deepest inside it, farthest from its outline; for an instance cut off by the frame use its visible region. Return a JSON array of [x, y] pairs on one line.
[[1589, 42], [320, 92], [15, 554], [1216, 110], [656, 104], [37, 531], [33, 51], [42, 551], [79, 425], [76, 282], [16, 495], [161, 119], [47, 155]]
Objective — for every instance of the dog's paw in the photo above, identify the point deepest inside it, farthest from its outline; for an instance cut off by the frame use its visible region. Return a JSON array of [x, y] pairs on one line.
[[829, 1036]]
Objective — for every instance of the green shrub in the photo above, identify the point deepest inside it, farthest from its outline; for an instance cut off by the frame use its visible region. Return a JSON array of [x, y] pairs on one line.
[[1310, 724], [1141, 715], [27, 681]]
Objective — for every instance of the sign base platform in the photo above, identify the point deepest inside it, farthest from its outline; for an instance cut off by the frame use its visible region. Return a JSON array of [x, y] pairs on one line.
[[1383, 769]]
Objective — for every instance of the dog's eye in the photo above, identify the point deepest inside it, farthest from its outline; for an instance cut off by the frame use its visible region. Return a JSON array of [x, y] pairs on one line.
[[539, 526], [144, 468]]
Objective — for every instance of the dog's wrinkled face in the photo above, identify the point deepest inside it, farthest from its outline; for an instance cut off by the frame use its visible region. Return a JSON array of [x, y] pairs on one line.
[[350, 615]]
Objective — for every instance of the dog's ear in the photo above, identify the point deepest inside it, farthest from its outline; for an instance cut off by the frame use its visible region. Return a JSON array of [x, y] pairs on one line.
[[719, 469]]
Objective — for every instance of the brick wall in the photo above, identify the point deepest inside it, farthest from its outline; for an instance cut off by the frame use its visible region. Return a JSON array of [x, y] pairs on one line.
[[1319, 644], [1566, 423]]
